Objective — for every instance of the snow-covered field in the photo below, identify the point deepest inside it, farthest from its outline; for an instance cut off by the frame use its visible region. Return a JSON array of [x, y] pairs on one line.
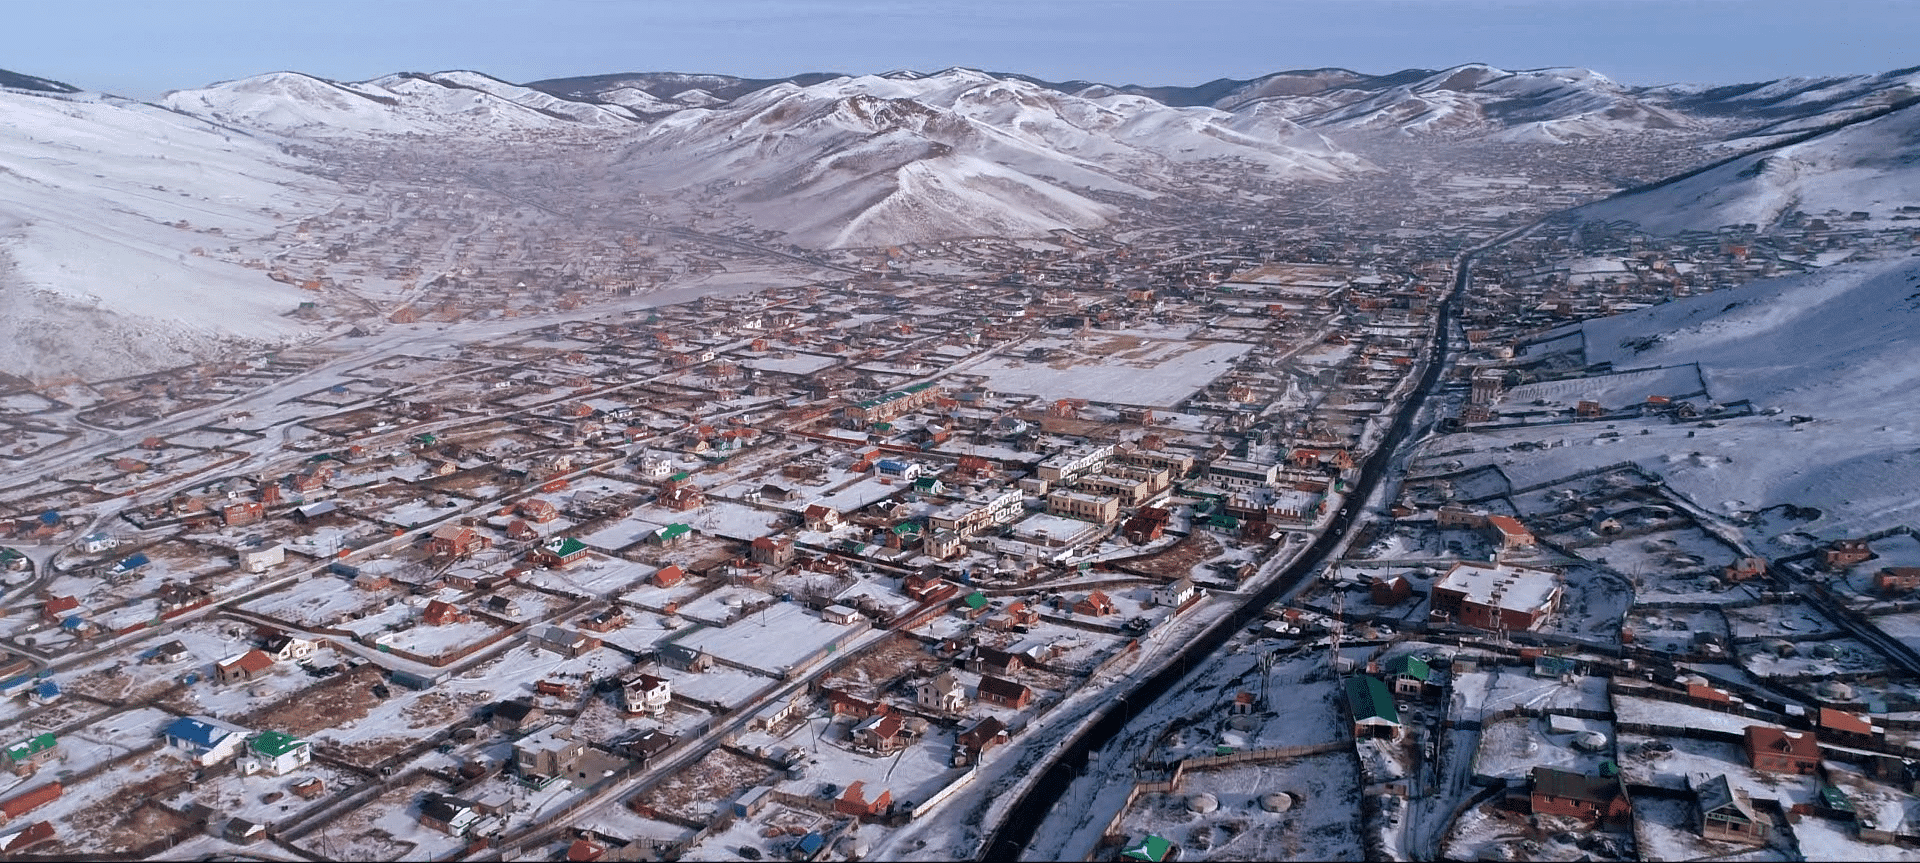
[[1110, 368]]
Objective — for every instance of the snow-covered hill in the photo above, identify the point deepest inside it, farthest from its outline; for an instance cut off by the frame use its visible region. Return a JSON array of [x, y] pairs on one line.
[[1826, 359], [1870, 165], [1836, 345], [1540, 105], [446, 103], [876, 160], [1767, 111], [102, 201]]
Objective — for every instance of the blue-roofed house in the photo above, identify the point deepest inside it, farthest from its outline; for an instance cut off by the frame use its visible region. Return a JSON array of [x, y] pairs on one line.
[[204, 740], [131, 563], [44, 692]]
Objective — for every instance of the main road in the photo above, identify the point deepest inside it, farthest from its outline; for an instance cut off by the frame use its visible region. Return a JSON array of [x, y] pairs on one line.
[[1010, 839]]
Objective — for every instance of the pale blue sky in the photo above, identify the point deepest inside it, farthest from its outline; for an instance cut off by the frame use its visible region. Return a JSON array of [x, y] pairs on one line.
[[144, 47]]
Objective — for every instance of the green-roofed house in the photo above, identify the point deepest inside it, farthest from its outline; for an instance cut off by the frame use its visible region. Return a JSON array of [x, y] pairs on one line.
[[26, 756], [559, 551], [976, 604], [275, 752], [673, 534], [1371, 706], [1153, 849], [1409, 674]]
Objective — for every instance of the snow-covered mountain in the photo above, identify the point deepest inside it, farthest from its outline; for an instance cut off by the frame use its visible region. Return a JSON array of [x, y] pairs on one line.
[[103, 202], [1770, 110], [446, 103], [876, 160], [1869, 165], [1836, 345], [1539, 105]]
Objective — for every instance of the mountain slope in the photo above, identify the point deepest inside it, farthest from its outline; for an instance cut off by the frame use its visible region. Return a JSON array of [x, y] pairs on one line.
[[878, 160], [96, 276], [1836, 345], [1870, 165], [1541, 105], [446, 103]]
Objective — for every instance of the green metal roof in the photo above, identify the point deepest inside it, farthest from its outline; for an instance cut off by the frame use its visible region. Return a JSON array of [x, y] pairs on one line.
[[1410, 666], [1152, 848], [274, 744], [674, 530], [1367, 698], [565, 546], [976, 599], [32, 746]]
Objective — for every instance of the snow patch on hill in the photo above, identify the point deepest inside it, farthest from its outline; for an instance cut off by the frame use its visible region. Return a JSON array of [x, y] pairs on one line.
[[1871, 165], [95, 280]]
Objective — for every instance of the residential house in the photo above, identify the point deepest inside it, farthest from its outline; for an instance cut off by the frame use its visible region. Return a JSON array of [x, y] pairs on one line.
[[669, 576], [844, 704], [26, 756], [1390, 591], [1726, 813], [284, 647], [246, 666], [20, 804], [770, 551], [1509, 532], [448, 814], [1576, 795], [276, 752], [516, 715], [58, 608], [565, 642], [1408, 674], [1005, 693], [1495, 596], [993, 660], [977, 740], [457, 541], [441, 613], [943, 693], [1843, 727], [822, 518], [683, 658], [882, 733], [538, 510], [262, 557], [1175, 593], [204, 740], [1371, 707], [1842, 553], [1017, 616], [1094, 604], [853, 801], [840, 614], [605, 620], [37, 833], [1777, 750], [559, 552], [647, 694], [547, 755], [1896, 580]]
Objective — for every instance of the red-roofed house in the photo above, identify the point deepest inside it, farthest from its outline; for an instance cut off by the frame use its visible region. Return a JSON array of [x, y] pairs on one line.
[[1845, 726], [58, 607], [1005, 693], [854, 802], [1778, 750], [1510, 532], [246, 666], [440, 613]]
